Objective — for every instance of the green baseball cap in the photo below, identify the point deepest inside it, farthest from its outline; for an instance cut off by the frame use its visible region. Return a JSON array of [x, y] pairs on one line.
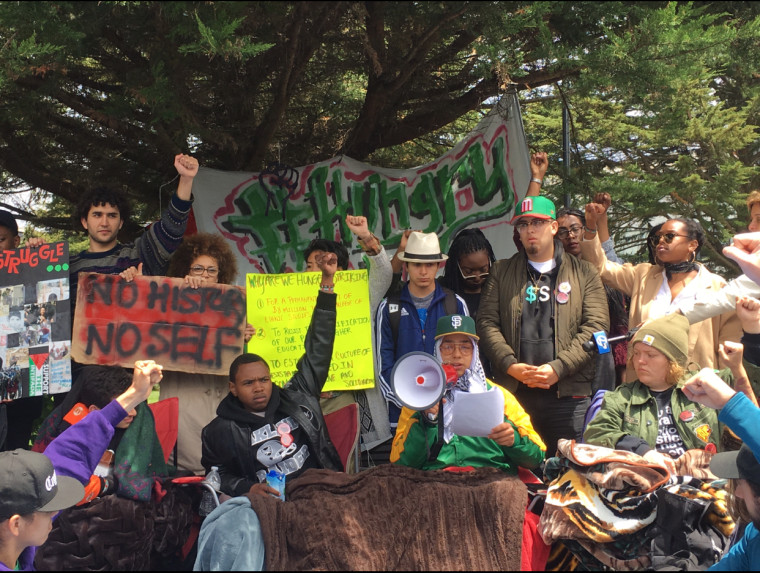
[[535, 206], [455, 324], [669, 334]]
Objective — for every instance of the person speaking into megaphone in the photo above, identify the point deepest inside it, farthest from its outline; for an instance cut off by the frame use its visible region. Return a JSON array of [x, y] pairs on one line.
[[510, 443]]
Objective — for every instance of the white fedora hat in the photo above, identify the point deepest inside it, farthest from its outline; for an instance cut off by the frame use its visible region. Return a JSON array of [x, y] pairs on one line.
[[422, 248]]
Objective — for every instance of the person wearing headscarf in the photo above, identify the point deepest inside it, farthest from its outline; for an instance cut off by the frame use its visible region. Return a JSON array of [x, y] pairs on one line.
[[510, 444]]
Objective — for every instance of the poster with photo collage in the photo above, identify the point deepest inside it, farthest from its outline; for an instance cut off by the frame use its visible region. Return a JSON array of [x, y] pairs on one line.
[[35, 321]]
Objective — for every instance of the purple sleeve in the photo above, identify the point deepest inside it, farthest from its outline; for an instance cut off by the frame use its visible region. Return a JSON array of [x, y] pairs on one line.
[[78, 449]]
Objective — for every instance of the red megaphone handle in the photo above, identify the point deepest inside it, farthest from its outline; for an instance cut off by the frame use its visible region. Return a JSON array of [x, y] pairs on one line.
[[451, 373]]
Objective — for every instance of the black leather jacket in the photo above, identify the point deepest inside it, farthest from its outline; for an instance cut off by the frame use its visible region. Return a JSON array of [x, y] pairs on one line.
[[235, 437]]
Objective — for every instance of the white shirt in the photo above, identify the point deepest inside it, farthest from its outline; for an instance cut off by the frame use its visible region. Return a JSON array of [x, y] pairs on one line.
[[664, 303]]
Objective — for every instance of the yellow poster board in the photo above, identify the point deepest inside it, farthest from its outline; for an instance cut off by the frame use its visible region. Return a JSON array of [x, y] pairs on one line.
[[280, 308]]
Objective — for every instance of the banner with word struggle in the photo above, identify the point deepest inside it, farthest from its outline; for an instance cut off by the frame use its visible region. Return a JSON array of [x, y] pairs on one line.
[[35, 322], [280, 308], [159, 318]]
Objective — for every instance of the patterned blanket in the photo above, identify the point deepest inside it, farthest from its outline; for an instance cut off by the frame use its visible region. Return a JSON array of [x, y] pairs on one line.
[[614, 509]]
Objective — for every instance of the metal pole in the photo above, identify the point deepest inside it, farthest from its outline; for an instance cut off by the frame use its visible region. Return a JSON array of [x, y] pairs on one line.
[[566, 151]]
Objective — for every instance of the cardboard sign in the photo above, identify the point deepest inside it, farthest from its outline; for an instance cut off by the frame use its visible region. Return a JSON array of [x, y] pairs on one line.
[[280, 308], [35, 322], [158, 318]]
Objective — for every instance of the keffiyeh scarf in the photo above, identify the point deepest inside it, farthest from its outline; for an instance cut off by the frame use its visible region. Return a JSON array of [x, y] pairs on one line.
[[473, 380]]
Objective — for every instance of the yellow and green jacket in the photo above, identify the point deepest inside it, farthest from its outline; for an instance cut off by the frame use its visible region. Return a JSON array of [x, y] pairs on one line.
[[415, 435]]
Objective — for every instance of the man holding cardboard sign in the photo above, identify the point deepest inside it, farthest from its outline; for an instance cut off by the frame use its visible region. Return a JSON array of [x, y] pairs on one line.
[[103, 212]]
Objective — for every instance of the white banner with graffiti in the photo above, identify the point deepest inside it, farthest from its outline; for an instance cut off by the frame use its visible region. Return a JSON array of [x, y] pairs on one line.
[[271, 216]]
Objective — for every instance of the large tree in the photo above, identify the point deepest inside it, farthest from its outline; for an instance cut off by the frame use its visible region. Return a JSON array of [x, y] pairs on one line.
[[107, 92]]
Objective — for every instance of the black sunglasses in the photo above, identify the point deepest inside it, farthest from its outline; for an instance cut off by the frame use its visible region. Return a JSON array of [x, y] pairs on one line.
[[655, 240]]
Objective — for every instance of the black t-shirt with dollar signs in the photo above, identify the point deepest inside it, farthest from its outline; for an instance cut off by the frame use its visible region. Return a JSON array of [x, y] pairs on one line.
[[537, 321]]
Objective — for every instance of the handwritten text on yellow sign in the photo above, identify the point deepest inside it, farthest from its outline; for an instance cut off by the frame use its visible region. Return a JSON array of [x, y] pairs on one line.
[[280, 308]]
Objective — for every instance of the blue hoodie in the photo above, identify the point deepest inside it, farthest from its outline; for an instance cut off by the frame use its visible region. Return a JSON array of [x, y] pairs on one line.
[[743, 417]]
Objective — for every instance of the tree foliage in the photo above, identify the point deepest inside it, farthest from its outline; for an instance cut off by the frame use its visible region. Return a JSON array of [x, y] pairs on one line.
[[663, 96], [665, 119], [108, 92]]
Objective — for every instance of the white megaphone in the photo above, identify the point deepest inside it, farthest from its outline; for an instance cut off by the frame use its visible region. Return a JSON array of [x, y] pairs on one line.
[[418, 380]]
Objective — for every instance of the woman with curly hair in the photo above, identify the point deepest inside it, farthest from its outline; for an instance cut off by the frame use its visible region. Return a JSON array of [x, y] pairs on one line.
[[202, 259], [220, 270]]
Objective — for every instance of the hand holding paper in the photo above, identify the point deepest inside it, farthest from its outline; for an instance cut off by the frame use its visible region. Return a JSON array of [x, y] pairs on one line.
[[503, 434]]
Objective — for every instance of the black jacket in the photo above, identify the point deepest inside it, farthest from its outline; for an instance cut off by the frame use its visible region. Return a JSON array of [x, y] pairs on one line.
[[236, 438]]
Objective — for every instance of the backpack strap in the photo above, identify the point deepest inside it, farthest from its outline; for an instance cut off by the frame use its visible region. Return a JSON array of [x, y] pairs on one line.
[[394, 315], [450, 302]]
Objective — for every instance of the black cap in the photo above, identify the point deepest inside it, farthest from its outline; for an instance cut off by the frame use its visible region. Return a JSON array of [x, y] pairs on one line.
[[28, 483], [8, 220], [740, 464]]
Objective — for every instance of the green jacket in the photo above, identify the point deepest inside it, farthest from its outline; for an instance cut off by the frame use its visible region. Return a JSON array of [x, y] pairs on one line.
[[415, 436], [632, 410], [586, 312]]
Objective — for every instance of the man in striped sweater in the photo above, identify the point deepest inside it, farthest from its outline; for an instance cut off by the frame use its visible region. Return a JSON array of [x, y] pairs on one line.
[[102, 213]]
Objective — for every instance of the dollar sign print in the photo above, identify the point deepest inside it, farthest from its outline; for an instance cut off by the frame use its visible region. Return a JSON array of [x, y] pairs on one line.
[[531, 294]]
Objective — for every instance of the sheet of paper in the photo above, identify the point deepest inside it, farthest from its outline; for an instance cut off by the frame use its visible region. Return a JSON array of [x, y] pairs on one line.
[[477, 414]]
